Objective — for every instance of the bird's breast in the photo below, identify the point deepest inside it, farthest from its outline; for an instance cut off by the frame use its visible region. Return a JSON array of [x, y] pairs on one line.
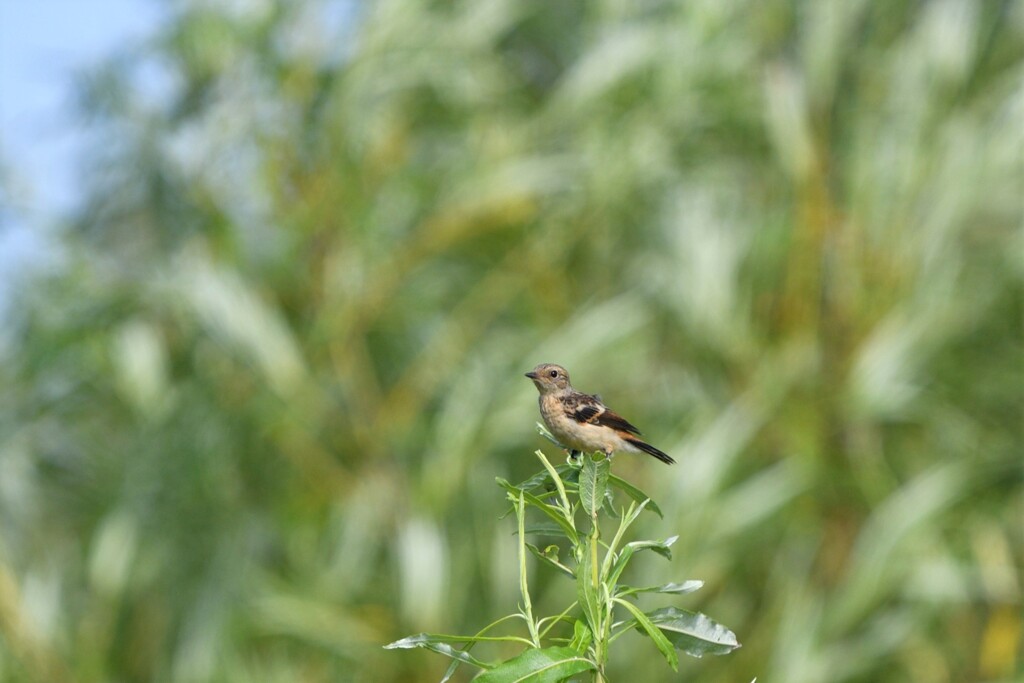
[[568, 431]]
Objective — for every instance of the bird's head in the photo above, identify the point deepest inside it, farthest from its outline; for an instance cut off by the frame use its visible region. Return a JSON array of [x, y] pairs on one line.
[[549, 378]]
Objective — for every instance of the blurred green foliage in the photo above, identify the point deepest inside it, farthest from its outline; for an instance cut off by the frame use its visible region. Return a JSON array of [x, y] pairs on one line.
[[251, 419]]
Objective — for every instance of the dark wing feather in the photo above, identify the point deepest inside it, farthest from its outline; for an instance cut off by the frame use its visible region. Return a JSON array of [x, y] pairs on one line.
[[587, 413], [587, 408], [615, 421]]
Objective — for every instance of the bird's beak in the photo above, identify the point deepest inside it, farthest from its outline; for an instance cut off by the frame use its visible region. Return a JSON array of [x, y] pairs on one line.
[[532, 375]]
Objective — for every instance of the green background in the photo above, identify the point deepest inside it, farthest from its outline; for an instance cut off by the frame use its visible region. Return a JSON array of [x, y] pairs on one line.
[[252, 412]]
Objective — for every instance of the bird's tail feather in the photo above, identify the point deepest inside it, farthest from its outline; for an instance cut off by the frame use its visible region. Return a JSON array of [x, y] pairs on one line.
[[651, 450]]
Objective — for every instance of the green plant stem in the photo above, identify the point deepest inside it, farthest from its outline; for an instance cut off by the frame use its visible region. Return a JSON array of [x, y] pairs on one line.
[[523, 587], [566, 507], [555, 619], [600, 638]]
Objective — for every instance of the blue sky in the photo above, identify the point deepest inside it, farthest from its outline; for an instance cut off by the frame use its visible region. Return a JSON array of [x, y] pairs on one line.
[[43, 43]]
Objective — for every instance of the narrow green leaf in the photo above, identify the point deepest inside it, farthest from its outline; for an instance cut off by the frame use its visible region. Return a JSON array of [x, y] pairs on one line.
[[450, 671], [549, 665], [621, 561], [550, 510], [581, 636], [547, 559], [534, 482], [543, 431], [480, 637], [688, 586], [623, 558], [543, 528], [676, 588], [694, 633], [663, 644], [624, 523], [586, 591], [634, 493], [569, 473], [556, 479], [442, 644], [593, 483], [660, 547], [609, 505], [523, 587]]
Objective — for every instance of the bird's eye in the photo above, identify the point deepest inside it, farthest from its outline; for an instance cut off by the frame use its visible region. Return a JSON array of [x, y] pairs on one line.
[[553, 373]]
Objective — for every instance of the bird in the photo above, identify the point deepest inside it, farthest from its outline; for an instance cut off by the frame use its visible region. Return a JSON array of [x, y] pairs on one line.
[[582, 422]]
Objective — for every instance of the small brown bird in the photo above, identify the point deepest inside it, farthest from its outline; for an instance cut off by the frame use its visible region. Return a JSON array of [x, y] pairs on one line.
[[581, 422]]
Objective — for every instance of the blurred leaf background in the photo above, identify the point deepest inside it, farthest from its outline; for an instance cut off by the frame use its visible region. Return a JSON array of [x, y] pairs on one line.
[[250, 418]]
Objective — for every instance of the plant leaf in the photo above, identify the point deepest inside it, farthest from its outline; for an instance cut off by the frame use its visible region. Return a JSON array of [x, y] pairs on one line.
[[550, 510], [581, 636], [620, 564], [677, 588], [663, 644], [440, 644], [568, 474], [612, 554], [634, 493], [593, 483], [556, 479], [694, 633], [543, 431], [660, 547], [543, 528], [586, 591], [609, 505], [549, 665], [546, 558]]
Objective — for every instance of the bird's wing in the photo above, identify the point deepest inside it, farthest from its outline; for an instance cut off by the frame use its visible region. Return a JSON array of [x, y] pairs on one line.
[[588, 409]]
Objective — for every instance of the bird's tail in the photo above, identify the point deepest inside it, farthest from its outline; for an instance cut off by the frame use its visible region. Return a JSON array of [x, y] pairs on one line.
[[651, 450]]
